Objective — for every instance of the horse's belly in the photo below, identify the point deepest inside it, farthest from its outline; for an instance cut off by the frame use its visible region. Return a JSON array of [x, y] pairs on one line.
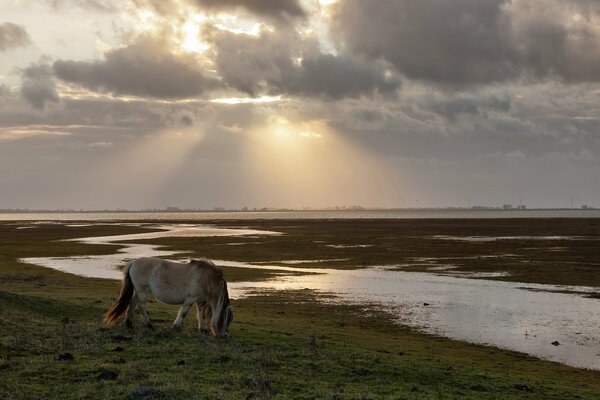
[[169, 295], [173, 300]]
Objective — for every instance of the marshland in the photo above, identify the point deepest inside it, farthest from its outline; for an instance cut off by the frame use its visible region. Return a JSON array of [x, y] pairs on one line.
[[324, 308]]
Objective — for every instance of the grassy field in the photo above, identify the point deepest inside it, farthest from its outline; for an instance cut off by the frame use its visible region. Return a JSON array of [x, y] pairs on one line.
[[283, 344]]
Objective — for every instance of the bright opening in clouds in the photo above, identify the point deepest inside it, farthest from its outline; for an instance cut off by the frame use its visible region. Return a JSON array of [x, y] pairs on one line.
[[293, 103]]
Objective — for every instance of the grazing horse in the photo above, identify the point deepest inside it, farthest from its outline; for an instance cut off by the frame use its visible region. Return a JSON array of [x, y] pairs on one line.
[[198, 282]]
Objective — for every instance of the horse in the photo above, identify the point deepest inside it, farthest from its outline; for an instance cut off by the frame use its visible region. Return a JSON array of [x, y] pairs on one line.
[[198, 282]]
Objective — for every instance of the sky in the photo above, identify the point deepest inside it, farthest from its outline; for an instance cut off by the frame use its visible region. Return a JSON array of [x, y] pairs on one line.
[[138, 104]]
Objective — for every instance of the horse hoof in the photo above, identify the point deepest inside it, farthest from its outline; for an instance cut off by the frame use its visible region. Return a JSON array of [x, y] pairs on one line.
[[149, 327], [176, 327], [128, 324]]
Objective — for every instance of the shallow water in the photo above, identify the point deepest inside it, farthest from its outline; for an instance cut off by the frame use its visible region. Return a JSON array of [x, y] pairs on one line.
[[515, 316], [501, 314], [109, 266]]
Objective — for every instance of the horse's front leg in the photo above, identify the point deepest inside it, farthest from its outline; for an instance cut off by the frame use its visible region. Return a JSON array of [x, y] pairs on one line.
[[182, 313], [202, 310]]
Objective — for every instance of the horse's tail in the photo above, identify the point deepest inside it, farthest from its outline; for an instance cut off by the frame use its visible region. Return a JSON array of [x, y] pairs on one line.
[[124, 298], [221, 314]]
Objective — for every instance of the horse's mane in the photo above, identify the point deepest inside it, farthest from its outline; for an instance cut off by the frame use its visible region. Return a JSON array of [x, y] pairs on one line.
[[221, 314], [206, 263]]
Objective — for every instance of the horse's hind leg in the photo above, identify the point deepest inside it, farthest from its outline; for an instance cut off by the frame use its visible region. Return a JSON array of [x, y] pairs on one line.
[[142, 297], [182, 313], [131, 310]]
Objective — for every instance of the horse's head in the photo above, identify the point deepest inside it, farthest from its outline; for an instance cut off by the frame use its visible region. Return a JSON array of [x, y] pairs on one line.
[[223, 314], [221, 328], [227, 320]]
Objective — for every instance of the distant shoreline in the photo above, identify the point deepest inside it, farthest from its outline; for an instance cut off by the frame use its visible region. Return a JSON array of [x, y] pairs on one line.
[[212, 215], [295, 210]]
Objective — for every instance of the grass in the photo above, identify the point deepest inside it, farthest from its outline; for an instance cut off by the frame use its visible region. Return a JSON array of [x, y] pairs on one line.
[[283, 345]]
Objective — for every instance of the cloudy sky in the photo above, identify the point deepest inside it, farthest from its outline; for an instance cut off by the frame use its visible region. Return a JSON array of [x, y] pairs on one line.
[[291, 103]]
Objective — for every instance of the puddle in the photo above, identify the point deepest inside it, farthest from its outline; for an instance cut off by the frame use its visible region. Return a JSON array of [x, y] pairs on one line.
[[109, 266], [298, 262], [478, 275], [495, 238], [442, 268], [106, 266], [515, 316], [78, 225], [348, 246], [179, 230]]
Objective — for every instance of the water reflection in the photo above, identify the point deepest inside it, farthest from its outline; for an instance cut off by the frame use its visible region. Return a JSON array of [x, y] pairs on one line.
[[503, 314]]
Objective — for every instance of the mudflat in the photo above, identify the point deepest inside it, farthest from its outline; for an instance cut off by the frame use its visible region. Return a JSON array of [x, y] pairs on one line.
[[560, 251]]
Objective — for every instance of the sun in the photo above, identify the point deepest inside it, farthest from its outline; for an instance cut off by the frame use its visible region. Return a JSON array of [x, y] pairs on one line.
[[190, 35], [282, 129], [325, 3]]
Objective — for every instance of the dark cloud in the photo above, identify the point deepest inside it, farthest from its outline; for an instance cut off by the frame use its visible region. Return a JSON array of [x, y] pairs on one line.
[[277, 63], [337, 77], [474, 41], [457, 41], [186, 120], [13, 36], [278, 9], [37, 85], [251, 64], [143, 68], [467, 104]]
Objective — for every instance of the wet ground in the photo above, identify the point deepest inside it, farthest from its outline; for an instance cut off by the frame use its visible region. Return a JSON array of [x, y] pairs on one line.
[[523, 317]]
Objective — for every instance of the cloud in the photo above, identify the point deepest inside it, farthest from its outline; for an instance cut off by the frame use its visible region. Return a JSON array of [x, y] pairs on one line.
[[143, 68], [336, 77], [277, 9], [37, 85], [92, 5], [276, 63], [466, 42], [467, 104], [13, 36], [12, 134]]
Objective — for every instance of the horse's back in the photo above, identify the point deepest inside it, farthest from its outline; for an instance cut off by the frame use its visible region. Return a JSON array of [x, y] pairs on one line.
[[144, 266], [169, 281]]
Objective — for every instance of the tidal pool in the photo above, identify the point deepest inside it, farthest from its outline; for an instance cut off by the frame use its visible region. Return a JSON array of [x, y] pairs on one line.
[[109, 266], [515, 316]]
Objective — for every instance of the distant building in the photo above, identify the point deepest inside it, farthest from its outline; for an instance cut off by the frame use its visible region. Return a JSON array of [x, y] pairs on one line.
[[522, 207], [172, 208], [507, 206], [586, 207]]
